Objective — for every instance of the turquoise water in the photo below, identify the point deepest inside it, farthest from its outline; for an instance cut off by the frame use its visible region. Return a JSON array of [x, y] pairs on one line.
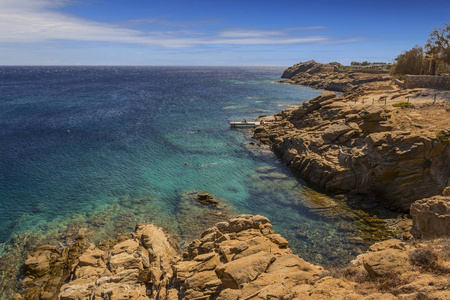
[[79, 141]]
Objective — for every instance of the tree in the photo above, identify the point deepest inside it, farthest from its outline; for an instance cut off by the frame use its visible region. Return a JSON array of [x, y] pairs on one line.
[[410, 62], [438, 46]]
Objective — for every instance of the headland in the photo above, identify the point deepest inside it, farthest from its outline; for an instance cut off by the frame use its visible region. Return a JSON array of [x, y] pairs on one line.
[[376, 138]]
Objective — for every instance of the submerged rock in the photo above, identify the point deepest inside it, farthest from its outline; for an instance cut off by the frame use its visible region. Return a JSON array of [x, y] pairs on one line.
[[207, 198]]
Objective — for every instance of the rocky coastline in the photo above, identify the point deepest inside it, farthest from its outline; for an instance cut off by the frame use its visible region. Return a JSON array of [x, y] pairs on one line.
[[355, 143], [330, 77], [392, 143], [242, 258]]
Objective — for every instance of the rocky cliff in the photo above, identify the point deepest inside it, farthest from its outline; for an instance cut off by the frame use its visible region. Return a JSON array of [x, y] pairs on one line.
[[237, 259], [329, 77], [367, 144]]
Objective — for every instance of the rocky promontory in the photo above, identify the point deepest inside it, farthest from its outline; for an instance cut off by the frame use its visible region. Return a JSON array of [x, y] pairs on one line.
[[242, 258], [330, 77], [391, 144]]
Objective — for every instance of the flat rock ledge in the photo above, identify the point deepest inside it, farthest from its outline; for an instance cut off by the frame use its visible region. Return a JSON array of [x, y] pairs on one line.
[[238, 259]]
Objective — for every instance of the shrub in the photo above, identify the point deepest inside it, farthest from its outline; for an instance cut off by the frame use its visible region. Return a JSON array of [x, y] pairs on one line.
[[390, 282], [422, 257], [402, 104], [410, 62], [443, 137]]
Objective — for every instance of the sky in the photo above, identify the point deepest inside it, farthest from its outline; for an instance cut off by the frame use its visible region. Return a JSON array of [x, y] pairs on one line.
[[212, 33]]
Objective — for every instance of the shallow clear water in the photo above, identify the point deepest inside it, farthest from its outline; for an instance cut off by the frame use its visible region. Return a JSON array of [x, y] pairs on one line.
[[79, 141]]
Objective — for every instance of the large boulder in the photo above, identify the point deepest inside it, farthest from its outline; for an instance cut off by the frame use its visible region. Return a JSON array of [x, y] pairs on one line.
[[244, 270], [38, 263], [431, 217]]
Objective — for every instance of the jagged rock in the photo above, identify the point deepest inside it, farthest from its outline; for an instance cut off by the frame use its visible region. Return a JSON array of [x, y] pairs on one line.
[[93, 257], [298, 68], [243, 262], [38, 263], [431, 217], [346, 147], [244, 270], [386, 257], [48, 267]]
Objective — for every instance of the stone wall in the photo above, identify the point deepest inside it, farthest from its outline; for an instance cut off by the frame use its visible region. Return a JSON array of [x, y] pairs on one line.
[[399, 82], [425, 81]]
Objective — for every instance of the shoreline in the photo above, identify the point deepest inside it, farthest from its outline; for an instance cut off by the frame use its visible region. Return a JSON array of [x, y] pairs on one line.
[[375, 140], [240, 257], [248, 285]]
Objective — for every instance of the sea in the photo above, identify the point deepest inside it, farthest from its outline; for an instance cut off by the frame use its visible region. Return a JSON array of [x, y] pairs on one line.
[[108, 147]]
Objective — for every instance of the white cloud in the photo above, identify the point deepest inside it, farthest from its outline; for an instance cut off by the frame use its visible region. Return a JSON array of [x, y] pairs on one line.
[[249, 33], [25, 21], [269, 41]]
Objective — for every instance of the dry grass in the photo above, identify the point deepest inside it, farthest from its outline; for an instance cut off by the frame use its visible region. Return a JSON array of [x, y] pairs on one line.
[[424, 258], [431, 256], [390, 282]]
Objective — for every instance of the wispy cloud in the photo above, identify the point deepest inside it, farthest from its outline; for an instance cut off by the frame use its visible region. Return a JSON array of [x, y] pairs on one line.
[[25, 21], [249, 33], [170, 23]]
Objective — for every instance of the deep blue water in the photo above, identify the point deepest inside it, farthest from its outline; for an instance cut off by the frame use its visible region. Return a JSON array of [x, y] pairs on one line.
[[76, 140]]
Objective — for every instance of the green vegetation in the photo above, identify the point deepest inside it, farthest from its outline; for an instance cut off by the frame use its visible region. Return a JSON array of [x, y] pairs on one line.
[[438, 47], [410, 62], [443, 137], [366, 65], [434, 60], [402, 104]]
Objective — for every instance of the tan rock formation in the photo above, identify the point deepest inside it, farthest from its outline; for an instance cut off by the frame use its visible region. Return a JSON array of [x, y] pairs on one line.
[[329, 77], [238, 259], [344, 144], [48, 267], [431, 217], [244, 262], [133, 267]]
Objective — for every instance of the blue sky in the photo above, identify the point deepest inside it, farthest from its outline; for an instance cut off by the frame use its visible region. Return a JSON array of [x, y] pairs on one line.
[[245, 32]]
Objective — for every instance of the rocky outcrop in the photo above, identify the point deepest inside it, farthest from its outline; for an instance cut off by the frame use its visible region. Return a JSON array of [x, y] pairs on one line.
[[329, 77], [431, 217], [48, 267], [136, 266], [405, 270], [237, 259], [347, 144], [310, 67]]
